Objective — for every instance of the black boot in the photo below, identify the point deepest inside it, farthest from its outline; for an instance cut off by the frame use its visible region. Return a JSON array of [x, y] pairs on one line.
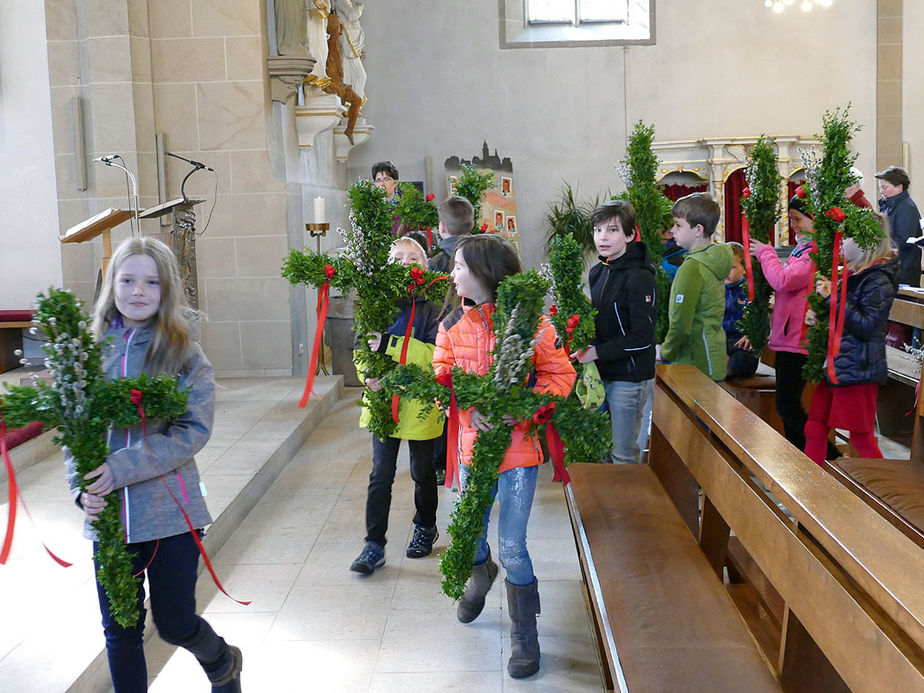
[[230, 681], [523, 603], [222, 662], [476, 589]]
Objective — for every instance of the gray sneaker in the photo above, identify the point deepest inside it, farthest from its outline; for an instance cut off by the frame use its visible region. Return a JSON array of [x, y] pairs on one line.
[[372, 557]]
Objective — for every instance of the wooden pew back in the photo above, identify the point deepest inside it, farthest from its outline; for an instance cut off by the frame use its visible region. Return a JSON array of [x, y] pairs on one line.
[[850, 580]]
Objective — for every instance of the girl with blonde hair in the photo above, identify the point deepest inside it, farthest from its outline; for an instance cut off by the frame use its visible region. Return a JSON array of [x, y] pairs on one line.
[[140, 319]]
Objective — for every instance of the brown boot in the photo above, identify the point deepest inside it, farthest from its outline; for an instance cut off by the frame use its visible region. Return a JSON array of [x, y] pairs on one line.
[[523, 603], [476, 589]]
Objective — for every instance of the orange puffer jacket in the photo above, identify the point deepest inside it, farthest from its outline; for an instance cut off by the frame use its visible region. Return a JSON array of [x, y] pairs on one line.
[[469, 344]]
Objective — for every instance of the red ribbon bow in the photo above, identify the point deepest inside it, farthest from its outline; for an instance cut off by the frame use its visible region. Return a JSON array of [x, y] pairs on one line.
[[573, 321], [746, 192], [837, 214], [544, 413], [136, 396], [553, 310], [430, 197], [484, 228], [800, 192], [323, 302]]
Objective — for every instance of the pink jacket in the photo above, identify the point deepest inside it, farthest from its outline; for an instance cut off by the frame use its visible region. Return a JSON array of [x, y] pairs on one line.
[[791, 280]]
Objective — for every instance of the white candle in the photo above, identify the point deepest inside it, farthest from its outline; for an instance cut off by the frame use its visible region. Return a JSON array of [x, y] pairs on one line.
[[319, 210]]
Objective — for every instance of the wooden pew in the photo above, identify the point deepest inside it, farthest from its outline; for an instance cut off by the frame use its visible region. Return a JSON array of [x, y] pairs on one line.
[[843, 582]]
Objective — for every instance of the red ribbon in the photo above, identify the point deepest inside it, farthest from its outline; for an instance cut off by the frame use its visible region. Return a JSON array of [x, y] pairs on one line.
[[638, 233], [452, 431], [748, 265], [323, 301], [136, 400], [13, 492], [573, 321], [557, 453], [417, 275], [836, 308], [205, 556], [429, 238]]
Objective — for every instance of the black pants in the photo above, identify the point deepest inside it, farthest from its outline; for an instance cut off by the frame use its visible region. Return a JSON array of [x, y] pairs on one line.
[[789, 387], [378, 500], [172, 576]]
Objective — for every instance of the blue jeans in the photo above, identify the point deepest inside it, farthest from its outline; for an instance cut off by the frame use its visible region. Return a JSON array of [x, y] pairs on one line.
[[626, 403], [172, 579], [515, 490]]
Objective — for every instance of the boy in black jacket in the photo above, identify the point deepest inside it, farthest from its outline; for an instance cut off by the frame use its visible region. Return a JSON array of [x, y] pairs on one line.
[[622, 289]]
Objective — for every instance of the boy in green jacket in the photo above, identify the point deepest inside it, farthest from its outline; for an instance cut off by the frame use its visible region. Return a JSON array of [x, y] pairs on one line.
[[697, 303]]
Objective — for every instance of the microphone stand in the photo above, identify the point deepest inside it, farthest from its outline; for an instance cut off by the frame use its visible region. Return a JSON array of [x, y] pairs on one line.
[[136, 208]]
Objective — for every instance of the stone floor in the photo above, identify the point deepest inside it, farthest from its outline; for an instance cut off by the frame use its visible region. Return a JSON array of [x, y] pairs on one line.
[[314, 625]]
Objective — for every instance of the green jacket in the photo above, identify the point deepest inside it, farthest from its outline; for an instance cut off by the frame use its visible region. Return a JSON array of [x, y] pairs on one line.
[[697, 306]]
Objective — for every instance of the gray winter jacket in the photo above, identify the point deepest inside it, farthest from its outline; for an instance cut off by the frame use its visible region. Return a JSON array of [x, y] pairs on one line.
[[166, 455]]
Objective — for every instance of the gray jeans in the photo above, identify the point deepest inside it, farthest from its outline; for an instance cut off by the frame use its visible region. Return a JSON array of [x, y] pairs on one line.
[[626, 404]]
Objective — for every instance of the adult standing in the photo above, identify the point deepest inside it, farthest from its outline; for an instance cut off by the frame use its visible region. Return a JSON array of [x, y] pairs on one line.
[[385, 176], [904, 221]]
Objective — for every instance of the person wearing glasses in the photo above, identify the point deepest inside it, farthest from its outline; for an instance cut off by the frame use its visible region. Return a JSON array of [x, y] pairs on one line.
[[385, 176]]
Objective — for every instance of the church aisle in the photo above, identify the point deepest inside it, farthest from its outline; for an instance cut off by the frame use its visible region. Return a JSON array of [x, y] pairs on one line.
[[314, 625]]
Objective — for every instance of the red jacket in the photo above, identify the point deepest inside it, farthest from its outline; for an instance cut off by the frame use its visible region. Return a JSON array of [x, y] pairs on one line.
[[469, 344]]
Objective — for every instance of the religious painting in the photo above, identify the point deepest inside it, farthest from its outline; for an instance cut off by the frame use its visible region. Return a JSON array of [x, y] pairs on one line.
[[499, 204]]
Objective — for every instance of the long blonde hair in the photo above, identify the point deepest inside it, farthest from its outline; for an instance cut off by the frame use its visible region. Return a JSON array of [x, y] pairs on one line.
[[883, 250], [170, 346]]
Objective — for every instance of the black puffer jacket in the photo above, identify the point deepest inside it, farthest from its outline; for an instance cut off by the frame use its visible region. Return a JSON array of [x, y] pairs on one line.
[[862, 357], [623, 292]]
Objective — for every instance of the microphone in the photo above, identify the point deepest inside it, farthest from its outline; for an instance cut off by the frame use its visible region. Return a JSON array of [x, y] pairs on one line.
[[106, 158], [197, 164]]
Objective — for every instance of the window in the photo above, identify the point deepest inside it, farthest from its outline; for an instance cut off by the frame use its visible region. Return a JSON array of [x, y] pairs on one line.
[[551, 23], [576, 12]]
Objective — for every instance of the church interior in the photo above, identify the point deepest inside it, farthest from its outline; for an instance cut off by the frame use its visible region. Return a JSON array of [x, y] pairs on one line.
[[233, 129]]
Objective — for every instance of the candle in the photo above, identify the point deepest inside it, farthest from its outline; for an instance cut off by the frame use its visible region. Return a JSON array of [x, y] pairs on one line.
[[319, 210]]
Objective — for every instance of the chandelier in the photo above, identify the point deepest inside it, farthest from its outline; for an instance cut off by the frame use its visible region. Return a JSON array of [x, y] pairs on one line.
[[805, 5]]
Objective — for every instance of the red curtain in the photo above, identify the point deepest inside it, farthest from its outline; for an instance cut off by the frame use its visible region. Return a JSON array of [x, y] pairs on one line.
[[677, 190], [734, 186]]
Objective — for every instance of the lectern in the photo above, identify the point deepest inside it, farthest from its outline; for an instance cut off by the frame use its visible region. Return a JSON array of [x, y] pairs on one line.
[[100, 224], [184, 241]]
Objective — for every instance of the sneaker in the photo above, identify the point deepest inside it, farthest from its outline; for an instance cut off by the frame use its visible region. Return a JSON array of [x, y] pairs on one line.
[[372, 557], [422, 542], [440, 477]]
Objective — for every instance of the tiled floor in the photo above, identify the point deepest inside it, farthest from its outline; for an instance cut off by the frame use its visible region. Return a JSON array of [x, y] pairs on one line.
[[314, 625]]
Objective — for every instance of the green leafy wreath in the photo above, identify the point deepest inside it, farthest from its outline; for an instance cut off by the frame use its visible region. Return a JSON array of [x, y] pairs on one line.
[[82, 406], [761, 204], [503, 390], [379, 285], [828, 178]]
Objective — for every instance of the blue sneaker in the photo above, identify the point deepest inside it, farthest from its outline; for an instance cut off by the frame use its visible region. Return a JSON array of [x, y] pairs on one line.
[[372, 557]]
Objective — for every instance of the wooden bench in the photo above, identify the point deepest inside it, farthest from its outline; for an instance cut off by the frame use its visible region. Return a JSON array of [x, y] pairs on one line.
[[12, 323], [663, 621], [829, 589]]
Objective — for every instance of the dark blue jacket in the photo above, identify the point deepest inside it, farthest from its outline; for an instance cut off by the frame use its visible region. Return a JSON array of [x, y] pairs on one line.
[[736, 298], [904, 223], [862, 357]]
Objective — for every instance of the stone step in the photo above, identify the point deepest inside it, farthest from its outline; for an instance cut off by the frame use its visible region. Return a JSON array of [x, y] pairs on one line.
[[51, 639]]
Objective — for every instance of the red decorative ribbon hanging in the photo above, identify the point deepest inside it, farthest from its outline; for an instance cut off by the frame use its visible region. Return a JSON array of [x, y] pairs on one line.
[[429, 238], [323, 301], [13, 492], [202, 551], [452, 431], [748, 264], [136, 400], [836, 306], [417, 277], [543, 415], [638, 233]]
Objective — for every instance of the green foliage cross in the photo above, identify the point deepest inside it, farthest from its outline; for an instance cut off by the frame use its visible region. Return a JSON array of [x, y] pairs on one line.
[[82, 406]]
